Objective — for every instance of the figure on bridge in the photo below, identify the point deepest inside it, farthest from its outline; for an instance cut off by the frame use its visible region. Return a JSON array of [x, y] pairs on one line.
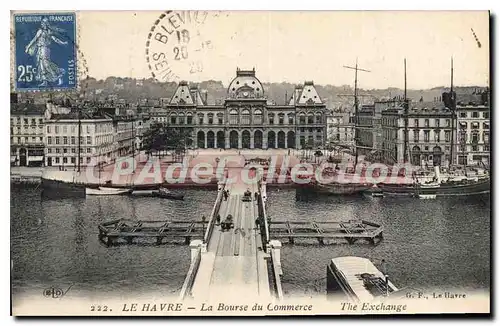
[[247, 196], [227, 224]]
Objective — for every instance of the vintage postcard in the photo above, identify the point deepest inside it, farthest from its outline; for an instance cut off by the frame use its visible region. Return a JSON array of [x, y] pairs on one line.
[[255, 163]]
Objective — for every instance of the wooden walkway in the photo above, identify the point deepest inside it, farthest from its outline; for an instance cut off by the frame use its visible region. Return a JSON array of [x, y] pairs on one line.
[[123, 231], [351, 231]]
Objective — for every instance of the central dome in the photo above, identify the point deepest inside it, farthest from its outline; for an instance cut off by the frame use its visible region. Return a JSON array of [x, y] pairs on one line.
[[245, 85]]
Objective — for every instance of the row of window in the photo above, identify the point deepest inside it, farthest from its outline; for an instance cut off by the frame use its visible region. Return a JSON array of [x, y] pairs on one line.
[[27, 129], [473, 125], [33, 121], [437, 136], [476, 148], [475, 114], [437, 123], [99, 127], [72, 160], [58, 150], [303, 129], [23, 140], [474, 137], [65, 139], [235, 119]]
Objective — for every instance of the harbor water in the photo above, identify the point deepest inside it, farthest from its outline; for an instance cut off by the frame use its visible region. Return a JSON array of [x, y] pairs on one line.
[[428, 244]]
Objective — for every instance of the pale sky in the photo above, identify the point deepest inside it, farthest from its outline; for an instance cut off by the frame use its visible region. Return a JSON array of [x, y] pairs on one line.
[[292, 46]]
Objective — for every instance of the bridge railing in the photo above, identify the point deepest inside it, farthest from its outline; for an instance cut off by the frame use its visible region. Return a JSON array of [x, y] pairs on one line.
[[262, 212], [276, 272], [191, 275], [213, 214]]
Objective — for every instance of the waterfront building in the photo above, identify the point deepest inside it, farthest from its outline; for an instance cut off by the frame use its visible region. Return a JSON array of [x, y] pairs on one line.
[[26, 134], [97, 137], [245, 118], [429, 133], [125, 129], [340, 129], [473, 132]]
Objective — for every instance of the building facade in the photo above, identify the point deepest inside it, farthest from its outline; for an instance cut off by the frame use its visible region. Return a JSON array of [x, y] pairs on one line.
[[473, 132], [340, 129], [246, 119], [26, 134], [429, 134], [97, 138]]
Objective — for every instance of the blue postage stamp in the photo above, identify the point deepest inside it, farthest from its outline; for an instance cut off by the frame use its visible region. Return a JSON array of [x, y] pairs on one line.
[[45, 46]]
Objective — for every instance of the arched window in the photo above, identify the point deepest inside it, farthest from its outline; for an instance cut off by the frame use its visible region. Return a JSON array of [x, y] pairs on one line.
[[281, 118], [181, 118], [319, 118], [201, 118], [189, 118], [233, 117], [220, 118], [270, 118], [310, 118], [257, 117], [290, 118], [302, 118], [173, 118], [245, 117]]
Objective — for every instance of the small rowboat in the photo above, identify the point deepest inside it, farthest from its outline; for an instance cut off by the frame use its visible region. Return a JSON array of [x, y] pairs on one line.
[[165, 193], [105, 191]]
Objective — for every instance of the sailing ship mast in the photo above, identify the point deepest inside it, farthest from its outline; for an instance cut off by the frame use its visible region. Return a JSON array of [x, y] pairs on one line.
[[453, 113], [356, 105], [405, 150]]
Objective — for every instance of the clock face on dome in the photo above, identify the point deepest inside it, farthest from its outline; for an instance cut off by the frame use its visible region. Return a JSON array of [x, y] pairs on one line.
[[245, 94]]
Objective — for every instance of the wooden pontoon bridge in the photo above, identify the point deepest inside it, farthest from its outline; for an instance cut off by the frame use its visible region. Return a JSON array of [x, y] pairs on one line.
[[125, 231], [351, 231]]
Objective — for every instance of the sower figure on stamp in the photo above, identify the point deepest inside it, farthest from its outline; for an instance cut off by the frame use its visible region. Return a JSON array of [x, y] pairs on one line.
[[47, 71]]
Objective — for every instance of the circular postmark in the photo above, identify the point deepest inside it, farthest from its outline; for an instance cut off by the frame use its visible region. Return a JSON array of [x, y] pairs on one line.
[[175, 48]]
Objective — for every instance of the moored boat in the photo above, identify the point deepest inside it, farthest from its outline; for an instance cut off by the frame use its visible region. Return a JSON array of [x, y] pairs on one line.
[[373, 192], [357, 279], [106, 191], [337, 188], [165, 193]]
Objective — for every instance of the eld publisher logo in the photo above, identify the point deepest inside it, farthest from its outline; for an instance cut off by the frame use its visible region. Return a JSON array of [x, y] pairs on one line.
[[55, 293]]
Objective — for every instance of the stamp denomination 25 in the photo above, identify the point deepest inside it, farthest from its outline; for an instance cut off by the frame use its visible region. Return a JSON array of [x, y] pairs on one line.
[[175, 48], [45, 51]]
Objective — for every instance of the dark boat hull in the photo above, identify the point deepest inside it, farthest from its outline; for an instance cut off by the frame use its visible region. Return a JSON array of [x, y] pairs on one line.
[[473, 188], [160, 194], [54, 189], [341, 189]]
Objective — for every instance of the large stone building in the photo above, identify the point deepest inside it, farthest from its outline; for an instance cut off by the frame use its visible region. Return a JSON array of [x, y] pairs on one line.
[[246, 119], [97, 138], [429, 133], [473, 132], [340, 129], [26, 134]]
